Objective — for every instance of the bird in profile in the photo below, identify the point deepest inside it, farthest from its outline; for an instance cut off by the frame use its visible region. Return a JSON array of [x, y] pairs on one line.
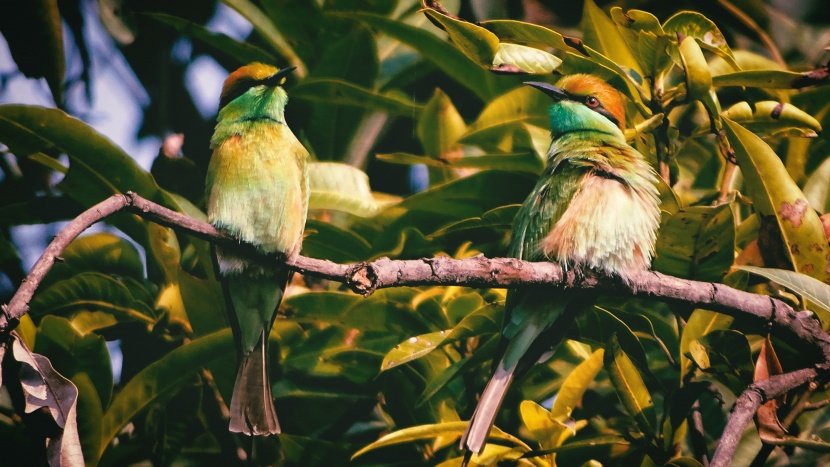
[[595, 207], [257, 192]]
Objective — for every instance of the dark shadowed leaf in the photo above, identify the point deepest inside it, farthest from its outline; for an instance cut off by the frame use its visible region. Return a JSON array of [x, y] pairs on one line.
[[697, 243], [242, 52]]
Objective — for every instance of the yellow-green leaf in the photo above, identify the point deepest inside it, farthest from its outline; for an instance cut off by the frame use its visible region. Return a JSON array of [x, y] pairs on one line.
[[524, 58], [422, 432], [440, 125], [506, 113], [773, 118], [601, 34], [477, 43], [339, 186], [412, 348], [707, 34], [773, 192], [575, 385], [630, 388]]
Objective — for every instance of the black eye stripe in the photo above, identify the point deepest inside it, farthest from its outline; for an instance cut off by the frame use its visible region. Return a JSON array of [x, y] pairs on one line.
[[598, 109]]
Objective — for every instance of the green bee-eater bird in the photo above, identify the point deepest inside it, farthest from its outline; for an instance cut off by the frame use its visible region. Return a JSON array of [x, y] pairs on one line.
[[257, 192], [596, 206]]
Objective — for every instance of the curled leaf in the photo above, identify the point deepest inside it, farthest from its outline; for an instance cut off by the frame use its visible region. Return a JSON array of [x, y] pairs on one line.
[[524, 59], [774, 118], [45, 387]]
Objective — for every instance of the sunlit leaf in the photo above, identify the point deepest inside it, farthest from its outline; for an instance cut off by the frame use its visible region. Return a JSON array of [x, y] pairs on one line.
[[412, 348], [341, 187], [630, 388], [774, 193], [772, 118], [694, 24], [525, 59], [423, 432], [477, 43], [601, 34]]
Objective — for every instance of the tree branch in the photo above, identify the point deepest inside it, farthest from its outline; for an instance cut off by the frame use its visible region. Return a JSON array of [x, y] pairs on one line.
[[364, 278], [747, 404]]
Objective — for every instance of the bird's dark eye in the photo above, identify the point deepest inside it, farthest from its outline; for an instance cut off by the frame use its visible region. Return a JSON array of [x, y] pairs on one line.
[[591, 101]]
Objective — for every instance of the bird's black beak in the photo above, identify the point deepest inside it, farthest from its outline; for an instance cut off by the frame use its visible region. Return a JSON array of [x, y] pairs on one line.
[[276, 78], [558, 94]]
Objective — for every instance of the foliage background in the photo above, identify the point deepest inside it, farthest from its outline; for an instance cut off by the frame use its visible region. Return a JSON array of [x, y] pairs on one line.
[[449, 149]]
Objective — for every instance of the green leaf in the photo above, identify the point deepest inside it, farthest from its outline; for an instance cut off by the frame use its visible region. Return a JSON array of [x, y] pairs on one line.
[[698, 79], [161, 378], [269, 32], [768, 79], [516, 162], [601, 34], [498, 218], [338, 186], [36, 26], [104, 253], [412, 348], [700, 323], [98, 169], [507, 113], [483, 353], [697, 243], [349, 61], [546, 429], [446, 57], [637, 20], [73, 355], [817, 292], [576, 383], [630, 388], [423, 432], [335, 91], [728, 355], [477, 43], [326, 240], [90, 413], [525, 59], [817, 188], [540, 37], [773, 192], [240, 52], [440, 126], [388, 310], [705, 32], [599, 326], [773, 118], [92, 291]]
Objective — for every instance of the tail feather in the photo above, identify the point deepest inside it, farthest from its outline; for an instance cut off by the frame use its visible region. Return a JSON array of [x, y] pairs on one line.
[[252, 406], [475, 437]]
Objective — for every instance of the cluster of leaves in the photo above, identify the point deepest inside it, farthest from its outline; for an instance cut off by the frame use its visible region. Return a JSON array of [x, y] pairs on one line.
[[412, 361]]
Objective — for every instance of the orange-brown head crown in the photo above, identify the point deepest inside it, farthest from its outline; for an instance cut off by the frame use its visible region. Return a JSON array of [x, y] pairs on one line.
[[248, 76], [595, 94]]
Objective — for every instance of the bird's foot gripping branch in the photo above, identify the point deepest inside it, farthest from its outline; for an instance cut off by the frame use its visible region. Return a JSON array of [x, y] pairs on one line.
[[765, 312]]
